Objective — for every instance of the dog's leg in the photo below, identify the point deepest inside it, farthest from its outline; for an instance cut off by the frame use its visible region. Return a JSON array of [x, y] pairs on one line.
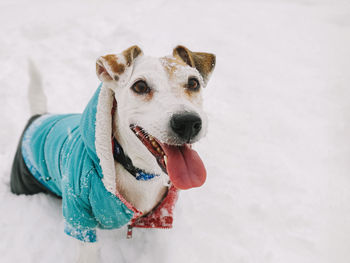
[[87, 252]]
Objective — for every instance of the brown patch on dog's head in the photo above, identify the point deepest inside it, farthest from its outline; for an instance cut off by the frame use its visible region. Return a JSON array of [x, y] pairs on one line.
[[112, 61], [101, 72], [190, 94], [131, 53], [170, 64], [111, 67], [203, 62]]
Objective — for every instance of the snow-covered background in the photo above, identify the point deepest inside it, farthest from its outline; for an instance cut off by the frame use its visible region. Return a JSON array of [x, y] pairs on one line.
[[278, 147]]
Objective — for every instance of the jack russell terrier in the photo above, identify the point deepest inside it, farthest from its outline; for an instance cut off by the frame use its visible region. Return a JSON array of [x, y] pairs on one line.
[[124, 159]]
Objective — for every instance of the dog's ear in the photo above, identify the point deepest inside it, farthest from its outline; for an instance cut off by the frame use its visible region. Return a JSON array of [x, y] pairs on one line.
[[111, 67], [203, 62]]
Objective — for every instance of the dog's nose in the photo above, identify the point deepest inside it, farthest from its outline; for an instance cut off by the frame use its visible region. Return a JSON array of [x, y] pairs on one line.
[[186, 125]]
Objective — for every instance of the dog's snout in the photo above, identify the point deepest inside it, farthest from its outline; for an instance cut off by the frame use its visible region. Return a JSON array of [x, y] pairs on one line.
[[186, 125]]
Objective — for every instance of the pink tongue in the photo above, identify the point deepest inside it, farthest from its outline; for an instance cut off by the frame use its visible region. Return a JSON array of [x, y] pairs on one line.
[[184, 166]]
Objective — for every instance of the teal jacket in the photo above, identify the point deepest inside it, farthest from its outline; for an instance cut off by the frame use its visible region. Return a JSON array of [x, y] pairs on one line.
[[71, 155]]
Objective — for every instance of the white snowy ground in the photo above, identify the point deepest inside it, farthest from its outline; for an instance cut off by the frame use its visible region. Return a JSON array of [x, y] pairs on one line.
[[278, 147]]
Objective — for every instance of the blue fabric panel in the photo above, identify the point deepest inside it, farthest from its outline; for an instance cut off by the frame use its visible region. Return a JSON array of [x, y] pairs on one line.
[[60, 133], [33, 144]]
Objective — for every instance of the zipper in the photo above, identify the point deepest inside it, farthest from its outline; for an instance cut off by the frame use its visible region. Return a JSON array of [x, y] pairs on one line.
[[129, 232]]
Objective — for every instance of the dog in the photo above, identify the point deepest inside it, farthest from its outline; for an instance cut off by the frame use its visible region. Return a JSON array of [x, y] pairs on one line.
[[125, 158]]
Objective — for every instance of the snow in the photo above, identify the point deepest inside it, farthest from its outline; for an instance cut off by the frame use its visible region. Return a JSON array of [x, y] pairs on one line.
[[277, 150]]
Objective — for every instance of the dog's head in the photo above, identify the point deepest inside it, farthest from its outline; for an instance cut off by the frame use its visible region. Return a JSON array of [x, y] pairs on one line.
[[159, 109]]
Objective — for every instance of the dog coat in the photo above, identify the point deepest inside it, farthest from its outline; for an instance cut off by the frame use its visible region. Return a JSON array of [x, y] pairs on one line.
[[71, 155]]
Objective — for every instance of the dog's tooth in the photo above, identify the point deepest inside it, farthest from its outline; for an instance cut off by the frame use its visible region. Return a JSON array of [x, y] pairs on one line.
[[159, 150], [165, 159], [155, 144]]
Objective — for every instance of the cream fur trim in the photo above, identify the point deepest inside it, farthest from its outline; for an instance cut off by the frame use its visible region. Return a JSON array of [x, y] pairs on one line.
[[103, 140]]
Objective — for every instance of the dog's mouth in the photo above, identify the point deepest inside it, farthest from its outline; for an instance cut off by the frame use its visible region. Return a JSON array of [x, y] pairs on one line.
[[183, 165], [152, 145]]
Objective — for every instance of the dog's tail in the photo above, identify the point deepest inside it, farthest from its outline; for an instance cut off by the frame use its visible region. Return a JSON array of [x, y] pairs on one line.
[[36, 96]]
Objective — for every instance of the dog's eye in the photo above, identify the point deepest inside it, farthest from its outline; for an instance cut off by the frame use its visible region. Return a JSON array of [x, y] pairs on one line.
[[141, 87], [193, 84]]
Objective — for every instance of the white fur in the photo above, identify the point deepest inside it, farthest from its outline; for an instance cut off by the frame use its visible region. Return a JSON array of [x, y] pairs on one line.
[[36, 95], [144, 195]]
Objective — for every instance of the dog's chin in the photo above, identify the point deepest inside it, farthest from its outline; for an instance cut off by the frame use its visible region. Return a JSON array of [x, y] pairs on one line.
[[178, 160]]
